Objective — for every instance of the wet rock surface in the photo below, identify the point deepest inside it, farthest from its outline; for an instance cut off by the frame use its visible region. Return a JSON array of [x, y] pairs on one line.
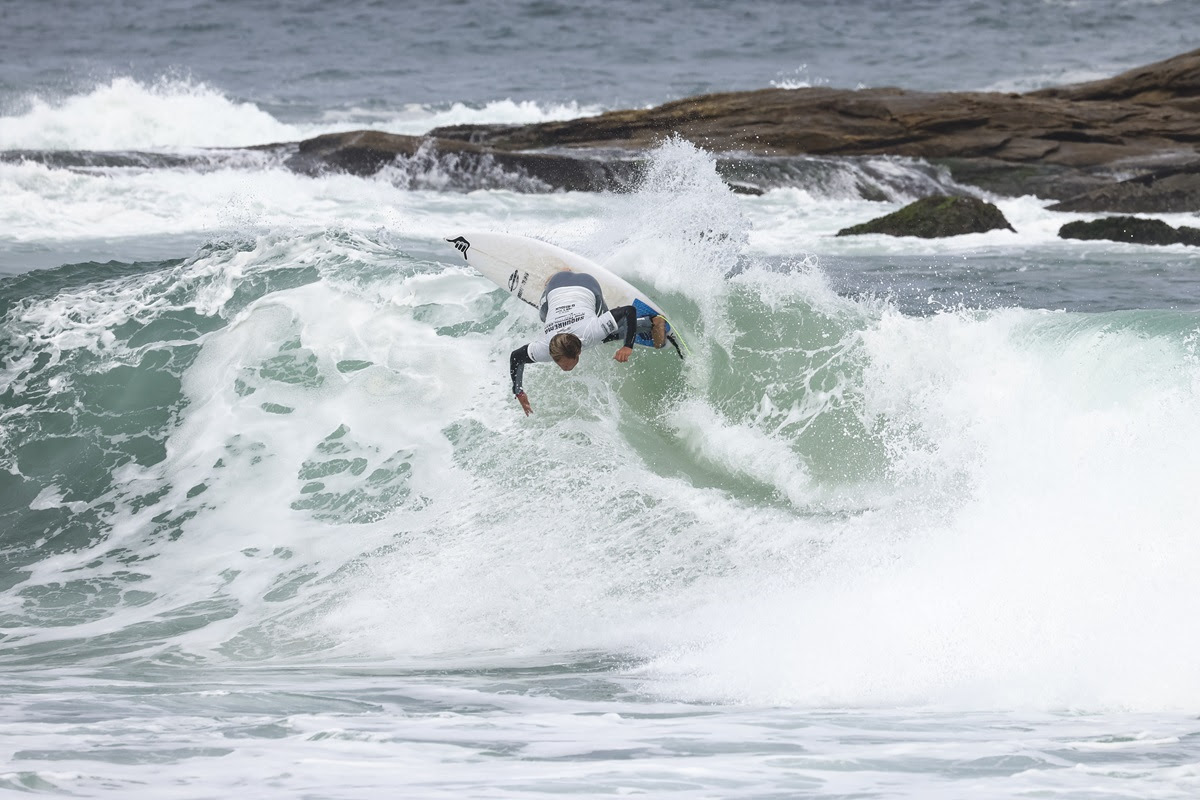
[[368, 152], [1128, 143], [1131, 229], [1157, 192], [936, 217]]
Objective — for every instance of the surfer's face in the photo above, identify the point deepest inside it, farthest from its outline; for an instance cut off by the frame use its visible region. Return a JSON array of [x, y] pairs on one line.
[[566, 364]]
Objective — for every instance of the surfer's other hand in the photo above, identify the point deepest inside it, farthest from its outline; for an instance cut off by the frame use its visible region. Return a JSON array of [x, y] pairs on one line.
[[523, 399], [623, 354]]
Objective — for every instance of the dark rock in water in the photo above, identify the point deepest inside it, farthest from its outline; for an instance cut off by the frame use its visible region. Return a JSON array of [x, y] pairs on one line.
[[935, 217], [878, 178], [1053, 181], [368, 152], [1169, 191], [356, 152], [1131, 229], [99, 159], [739, 187]]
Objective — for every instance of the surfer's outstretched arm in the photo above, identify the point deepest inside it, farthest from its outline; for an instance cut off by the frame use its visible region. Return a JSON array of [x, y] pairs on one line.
[[516, 371], [628, 314]]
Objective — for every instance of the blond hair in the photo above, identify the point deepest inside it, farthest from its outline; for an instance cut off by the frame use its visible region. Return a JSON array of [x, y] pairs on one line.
[[565, 345]]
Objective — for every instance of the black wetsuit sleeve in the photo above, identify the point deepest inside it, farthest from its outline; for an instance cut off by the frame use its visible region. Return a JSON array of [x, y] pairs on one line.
[[629, 314], [516, 366]]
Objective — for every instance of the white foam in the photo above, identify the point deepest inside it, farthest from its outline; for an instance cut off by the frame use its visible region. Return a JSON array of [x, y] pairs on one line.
[[419, 119], [40, 204], [742, 448], [1059, 77], [126, 114], [172, 113], [798, 78], [1042, 555]]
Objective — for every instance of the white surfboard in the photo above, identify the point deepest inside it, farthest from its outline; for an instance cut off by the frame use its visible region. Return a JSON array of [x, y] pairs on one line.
[[522, 266]]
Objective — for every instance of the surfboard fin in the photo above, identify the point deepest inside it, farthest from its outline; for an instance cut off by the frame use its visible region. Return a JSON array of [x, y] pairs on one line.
[[675, 342]]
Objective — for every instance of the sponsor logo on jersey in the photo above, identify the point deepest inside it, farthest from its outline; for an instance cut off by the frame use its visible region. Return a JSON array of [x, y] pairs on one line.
[[565, 322]]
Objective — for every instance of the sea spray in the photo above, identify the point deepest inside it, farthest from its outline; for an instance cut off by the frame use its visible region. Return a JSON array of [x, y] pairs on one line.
[[680, 231], [181, 112], [126, 114]]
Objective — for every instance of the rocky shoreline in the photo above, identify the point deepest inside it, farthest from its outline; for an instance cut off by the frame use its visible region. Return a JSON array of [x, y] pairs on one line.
[[1126, 144]]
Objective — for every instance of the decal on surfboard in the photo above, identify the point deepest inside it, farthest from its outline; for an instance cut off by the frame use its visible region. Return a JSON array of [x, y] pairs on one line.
[[462, 245], [523, 265]]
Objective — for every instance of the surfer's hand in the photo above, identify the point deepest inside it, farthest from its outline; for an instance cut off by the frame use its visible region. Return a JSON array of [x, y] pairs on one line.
[[623, 354], [523, 399]]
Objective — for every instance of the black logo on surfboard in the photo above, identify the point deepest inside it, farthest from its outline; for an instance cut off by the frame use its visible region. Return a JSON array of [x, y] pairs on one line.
[[512, 280], [461, 244]]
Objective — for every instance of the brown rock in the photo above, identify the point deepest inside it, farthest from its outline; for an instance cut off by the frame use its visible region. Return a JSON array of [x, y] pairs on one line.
[[1130, 143], [1174, 82], [1084, 126]]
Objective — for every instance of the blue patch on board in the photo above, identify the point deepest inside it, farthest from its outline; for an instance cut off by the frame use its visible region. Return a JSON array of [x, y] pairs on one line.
[[644, 310]]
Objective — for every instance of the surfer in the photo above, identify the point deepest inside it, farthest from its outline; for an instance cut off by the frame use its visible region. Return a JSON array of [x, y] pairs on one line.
[[575, 317]]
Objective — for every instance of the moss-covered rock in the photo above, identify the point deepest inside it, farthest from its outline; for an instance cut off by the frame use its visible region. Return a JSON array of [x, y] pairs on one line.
[[934, 218], [1131, 229]]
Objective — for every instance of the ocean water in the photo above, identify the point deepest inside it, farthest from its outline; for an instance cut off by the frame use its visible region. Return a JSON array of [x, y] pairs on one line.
[[916, 519]]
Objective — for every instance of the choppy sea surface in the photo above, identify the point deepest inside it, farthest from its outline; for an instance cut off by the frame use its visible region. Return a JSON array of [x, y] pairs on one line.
[[916, 519]]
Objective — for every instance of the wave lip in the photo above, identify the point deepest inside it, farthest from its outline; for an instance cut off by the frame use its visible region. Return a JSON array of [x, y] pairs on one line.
[[126, 114]]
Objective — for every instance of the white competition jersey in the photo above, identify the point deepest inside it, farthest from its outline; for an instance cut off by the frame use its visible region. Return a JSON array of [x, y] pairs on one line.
[[572, 309]]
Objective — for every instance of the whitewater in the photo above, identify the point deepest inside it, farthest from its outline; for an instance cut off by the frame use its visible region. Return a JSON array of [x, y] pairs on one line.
[[915, 519]]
